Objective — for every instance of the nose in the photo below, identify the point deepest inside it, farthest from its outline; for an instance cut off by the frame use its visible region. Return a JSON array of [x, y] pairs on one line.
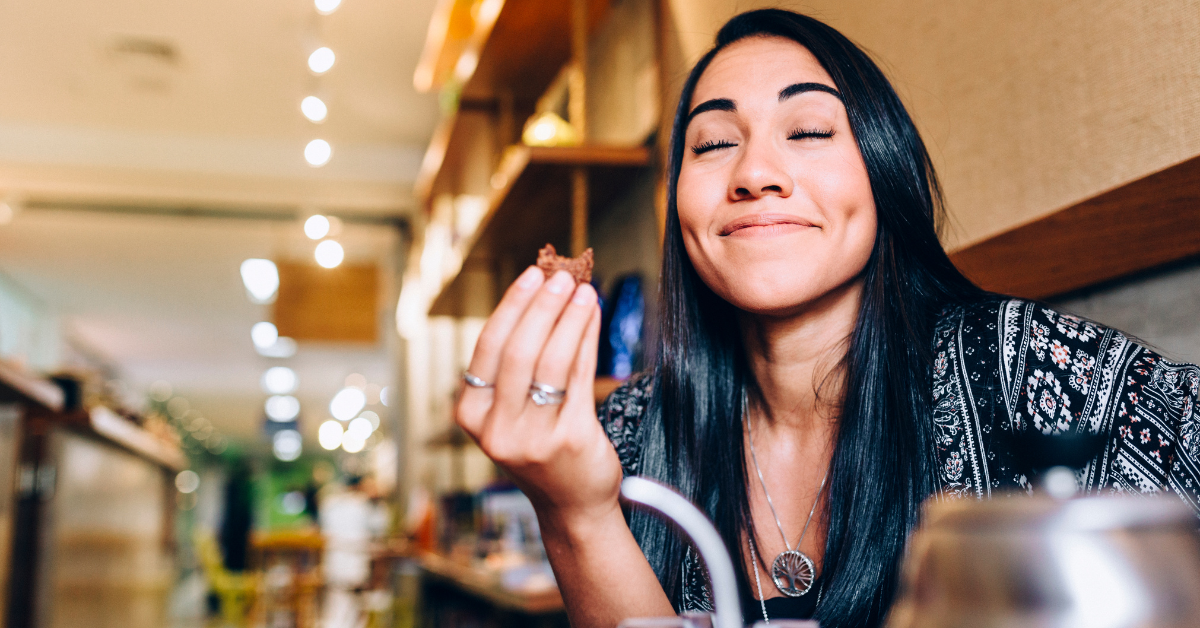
[[759, 172]]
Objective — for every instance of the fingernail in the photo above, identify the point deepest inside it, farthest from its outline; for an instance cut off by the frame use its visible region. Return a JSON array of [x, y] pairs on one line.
[[529, 278], [559, 283], [584, 295]]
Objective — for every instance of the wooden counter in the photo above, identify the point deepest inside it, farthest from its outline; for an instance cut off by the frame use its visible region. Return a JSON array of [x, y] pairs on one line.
[[485, 584]]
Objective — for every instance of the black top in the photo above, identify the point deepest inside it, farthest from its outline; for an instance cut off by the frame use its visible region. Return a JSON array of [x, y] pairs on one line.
[[1004, 370]]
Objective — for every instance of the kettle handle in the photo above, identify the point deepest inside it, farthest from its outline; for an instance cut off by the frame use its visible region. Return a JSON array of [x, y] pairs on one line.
[[674, 507]]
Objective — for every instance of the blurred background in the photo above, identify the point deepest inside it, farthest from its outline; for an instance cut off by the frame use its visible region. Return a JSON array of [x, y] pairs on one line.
[[246, 249]]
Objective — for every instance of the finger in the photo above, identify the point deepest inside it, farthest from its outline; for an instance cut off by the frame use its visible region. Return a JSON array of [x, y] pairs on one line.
[[485, 361], [558, 356], [525, 343], [581, 388], [474, 403]]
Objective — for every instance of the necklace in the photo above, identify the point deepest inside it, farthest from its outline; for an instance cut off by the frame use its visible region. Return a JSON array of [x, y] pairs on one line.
[[762, 601], [792, 570]]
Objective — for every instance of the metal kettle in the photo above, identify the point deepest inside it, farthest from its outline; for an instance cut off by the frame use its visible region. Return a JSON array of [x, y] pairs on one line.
[[1040, 562]]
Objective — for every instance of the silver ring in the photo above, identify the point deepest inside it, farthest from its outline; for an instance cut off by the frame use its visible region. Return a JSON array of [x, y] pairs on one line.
[[473, 381], [546, 395]]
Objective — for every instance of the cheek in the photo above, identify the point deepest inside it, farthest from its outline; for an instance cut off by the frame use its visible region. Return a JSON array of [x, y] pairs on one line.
[[698, 196]]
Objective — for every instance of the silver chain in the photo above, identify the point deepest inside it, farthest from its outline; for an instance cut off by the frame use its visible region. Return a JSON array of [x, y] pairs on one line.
[[754, 459]]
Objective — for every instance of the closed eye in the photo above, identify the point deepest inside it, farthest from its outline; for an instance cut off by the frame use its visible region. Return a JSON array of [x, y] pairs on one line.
[[704, 147], [803, 134]]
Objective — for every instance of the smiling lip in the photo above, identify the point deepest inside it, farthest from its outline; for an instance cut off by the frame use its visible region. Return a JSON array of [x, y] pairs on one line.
[[763, 220]]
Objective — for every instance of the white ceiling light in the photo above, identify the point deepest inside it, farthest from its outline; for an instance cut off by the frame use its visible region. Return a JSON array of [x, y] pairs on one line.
[[264, 335], [316, 227], [359, 428], [329, 254], [282, 408], [261, 278], [284, 347], [384, 395], [330, 435], [321, 60], [279, 380], [287, 445], [372, 417], [353, 445], [317, 153], [314, 109], [187, 481], [325, 7], [347, 404]]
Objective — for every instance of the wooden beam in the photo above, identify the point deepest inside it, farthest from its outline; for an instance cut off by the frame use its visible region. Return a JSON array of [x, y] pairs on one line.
[[1143, 224]]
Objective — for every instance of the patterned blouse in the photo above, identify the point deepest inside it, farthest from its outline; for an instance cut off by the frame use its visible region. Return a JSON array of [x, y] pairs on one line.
[[1002, 368]]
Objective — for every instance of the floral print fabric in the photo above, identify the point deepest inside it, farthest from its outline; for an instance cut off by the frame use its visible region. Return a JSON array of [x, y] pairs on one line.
[[1002, 368]]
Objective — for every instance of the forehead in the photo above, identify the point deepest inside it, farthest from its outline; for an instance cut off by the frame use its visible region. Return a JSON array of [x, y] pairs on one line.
[[758, 67]]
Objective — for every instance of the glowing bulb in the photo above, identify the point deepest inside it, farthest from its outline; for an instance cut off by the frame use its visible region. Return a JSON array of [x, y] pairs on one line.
[[287, 445], [261, 278], [372, 417], [314, 109], [187, 481], [321, 60], [384, 395], [359, 428], [317, 153], [544, 131], [316, 227], [347, 404], [279, 380], [325, 7], [330, 435], [353, 445], [282, 408], [264, 335], [329, 254]]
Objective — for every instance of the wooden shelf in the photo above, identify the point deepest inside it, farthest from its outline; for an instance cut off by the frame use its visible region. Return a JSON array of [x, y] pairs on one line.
[[530, 205], [1143, 224], [133, 437], [20, 386], [519, 54]]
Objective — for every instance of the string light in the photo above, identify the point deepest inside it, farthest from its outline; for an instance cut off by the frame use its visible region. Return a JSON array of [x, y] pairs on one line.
[[321, 60], [329, 254], [317, 153], [325, 7], [314, 109], [316, 227], [261, 277]]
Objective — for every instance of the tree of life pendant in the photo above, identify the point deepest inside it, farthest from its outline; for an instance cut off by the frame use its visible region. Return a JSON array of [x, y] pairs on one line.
[[793, 573]]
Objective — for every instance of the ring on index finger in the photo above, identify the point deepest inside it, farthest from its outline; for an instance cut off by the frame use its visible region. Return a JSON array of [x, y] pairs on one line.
[[475, 381], [545, 394]]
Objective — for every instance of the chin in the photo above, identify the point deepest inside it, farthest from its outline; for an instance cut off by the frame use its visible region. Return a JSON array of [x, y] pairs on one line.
[[770, 294]]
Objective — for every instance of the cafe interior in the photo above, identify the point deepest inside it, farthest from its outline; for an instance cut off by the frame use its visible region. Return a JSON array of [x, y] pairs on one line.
[[246, 252]]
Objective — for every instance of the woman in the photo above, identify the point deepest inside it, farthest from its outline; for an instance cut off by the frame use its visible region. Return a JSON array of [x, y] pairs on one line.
[[823, 367]]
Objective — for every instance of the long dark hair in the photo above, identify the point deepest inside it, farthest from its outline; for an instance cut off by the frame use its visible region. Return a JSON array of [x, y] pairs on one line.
[[882, 466]]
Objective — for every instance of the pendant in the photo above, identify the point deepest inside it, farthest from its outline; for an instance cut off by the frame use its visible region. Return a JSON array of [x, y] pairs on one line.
[[793, 573]]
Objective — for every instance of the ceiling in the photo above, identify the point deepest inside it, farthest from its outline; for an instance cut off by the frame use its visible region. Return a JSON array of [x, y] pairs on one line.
[[98, 98], [111, 112]]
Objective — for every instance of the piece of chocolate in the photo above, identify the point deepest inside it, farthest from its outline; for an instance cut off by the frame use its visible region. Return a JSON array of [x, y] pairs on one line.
[[579, 267]]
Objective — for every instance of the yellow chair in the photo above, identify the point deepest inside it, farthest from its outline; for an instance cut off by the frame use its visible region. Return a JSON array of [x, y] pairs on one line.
[[236, 591]]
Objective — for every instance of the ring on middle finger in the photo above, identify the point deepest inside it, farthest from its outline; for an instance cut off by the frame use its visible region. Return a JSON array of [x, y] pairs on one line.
[[545, 394]]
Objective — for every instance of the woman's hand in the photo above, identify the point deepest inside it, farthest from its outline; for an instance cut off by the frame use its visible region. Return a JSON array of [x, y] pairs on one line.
[[544, 331]]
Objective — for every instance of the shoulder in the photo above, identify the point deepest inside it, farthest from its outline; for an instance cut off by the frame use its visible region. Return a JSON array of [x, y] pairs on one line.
[[621, 416]]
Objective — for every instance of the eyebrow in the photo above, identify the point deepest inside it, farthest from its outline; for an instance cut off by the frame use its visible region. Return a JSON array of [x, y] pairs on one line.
[[716, 104], [726, 104], [800, 88]]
